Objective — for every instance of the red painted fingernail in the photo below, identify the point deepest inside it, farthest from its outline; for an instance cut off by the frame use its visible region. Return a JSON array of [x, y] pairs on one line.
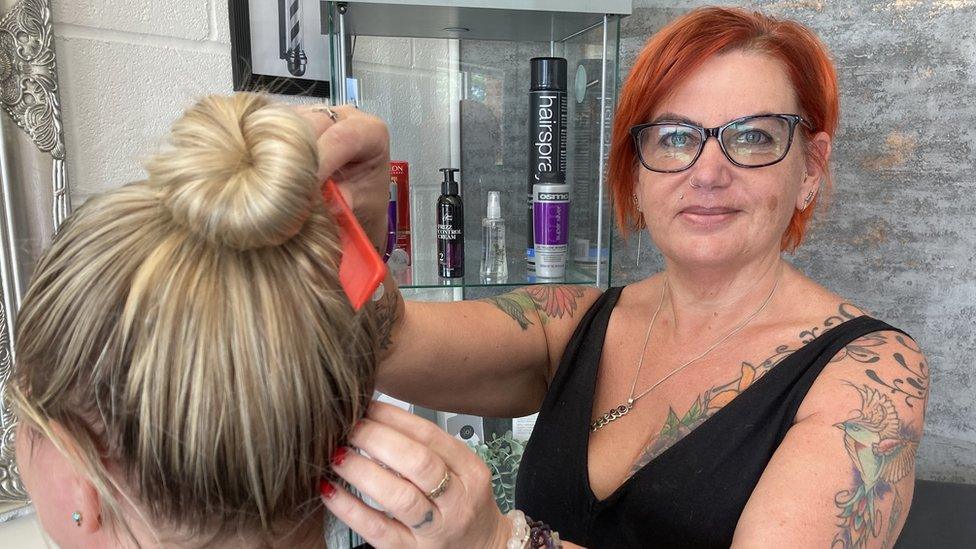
[[327, 489], [339, 455]]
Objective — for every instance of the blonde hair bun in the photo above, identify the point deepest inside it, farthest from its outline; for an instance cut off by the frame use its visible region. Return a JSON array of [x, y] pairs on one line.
[[238, 171], [202, 391]]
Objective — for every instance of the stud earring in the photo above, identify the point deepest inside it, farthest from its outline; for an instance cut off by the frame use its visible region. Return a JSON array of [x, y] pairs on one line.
[[808, 198], [76, 516], [681, 197]]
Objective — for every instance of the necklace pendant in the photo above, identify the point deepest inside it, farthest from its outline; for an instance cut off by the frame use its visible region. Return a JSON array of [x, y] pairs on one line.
[[613, 415]]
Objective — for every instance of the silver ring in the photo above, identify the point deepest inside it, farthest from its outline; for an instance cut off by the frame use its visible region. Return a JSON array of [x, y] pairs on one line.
[[441, 488], [325, 108]]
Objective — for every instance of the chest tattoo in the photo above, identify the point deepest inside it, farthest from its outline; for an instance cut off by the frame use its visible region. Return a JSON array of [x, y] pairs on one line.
[[679, 423]]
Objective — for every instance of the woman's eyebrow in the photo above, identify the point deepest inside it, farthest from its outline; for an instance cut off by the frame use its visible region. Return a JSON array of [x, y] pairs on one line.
[[673, 117]]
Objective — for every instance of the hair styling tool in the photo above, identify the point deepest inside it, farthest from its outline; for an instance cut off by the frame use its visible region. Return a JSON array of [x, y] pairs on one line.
[[361, 270]]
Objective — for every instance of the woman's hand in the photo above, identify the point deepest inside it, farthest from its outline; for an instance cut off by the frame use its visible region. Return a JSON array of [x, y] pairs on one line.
[[354, 150], [417, 456]]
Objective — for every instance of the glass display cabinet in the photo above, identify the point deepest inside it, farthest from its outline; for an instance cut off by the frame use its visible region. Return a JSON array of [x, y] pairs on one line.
[[452, 80]]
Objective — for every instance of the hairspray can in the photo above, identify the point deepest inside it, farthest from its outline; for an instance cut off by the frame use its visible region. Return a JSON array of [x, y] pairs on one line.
[[550, 209], [547, 130]]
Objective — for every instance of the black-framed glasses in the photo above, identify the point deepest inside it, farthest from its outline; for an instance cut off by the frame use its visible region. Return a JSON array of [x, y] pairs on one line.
[[748, 142]]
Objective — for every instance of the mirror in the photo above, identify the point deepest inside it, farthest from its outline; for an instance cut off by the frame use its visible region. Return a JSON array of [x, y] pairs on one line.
[[34, 196]]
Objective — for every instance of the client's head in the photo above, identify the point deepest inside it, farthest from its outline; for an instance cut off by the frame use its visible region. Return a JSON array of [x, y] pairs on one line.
[[186, 360]]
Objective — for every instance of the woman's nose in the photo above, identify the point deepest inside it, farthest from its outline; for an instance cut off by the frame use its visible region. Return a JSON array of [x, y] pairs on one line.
[[712, 170]]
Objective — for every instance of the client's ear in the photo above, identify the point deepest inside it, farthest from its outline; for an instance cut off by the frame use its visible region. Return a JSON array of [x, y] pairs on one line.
[[90, 507], [77, 512]]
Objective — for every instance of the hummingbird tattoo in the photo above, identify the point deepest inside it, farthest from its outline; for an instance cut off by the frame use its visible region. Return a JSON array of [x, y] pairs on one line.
[[882, 453]]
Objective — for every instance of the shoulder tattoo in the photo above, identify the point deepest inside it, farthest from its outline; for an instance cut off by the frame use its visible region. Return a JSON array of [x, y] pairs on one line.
[[550, 302], [880, 443]]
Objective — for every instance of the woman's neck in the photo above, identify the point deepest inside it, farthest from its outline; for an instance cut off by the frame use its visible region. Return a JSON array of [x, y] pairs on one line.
[[702, 301]]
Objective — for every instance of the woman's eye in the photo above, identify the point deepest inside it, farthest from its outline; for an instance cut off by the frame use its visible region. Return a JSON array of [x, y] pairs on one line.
[[753, 137], [676, 140]]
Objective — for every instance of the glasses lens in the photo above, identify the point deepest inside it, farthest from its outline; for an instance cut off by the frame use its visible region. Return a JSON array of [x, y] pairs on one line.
[[758, 140], [669, 147]]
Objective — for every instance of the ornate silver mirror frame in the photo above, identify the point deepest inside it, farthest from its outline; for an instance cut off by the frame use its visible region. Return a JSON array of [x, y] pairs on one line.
[[34, 196]]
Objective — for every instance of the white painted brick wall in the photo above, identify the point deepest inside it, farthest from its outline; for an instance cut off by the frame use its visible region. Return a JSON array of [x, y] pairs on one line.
[[187, 19], [127, 69], [119, 98]]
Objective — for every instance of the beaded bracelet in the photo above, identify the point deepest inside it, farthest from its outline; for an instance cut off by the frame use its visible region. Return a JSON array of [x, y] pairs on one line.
[[542, 536], [531, 534]]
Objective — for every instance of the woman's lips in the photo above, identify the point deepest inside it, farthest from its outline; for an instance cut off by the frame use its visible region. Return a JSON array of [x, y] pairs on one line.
[[707, 217]]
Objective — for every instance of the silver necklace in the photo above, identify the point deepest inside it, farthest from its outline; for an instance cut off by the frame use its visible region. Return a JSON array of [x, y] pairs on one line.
[[620, 411]]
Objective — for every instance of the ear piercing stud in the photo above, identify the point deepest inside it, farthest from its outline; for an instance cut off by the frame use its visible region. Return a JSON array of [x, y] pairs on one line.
[[76, 516]]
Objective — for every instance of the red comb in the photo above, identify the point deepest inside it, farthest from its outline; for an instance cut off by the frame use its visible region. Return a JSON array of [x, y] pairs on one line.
[[360, 269]]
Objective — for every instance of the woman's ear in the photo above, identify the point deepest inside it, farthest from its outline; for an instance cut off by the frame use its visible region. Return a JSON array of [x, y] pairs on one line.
[[90, 507], [816, 160], [67, 502]]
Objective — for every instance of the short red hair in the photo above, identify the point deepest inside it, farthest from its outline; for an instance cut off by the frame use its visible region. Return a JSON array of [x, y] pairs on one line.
[[682, 46]]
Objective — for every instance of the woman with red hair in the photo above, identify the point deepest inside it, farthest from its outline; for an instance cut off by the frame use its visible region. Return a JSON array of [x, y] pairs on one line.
[[727, 400]]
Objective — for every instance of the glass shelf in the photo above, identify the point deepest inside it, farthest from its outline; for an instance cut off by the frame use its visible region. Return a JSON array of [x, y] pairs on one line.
[[424, 275]]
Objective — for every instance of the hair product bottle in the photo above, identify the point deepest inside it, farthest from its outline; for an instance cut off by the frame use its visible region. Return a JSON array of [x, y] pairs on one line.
[[494, 260], [547, 130], [551, 204], [450, 227], [400, 174]]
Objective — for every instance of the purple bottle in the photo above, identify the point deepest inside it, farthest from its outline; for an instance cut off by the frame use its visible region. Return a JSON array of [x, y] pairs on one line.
[[550, 203], [450, 228]]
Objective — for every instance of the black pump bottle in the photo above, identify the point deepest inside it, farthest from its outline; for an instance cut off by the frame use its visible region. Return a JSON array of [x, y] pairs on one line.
[[450, 227]]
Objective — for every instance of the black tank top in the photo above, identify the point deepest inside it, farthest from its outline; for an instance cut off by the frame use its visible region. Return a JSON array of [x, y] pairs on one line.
[[693, 493]]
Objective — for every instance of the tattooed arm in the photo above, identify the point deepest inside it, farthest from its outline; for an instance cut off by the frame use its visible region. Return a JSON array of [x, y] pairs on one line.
[[491, 357], [844, 475]]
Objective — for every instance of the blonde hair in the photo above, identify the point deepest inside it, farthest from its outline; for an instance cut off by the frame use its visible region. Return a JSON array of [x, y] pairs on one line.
[[191, 328]]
